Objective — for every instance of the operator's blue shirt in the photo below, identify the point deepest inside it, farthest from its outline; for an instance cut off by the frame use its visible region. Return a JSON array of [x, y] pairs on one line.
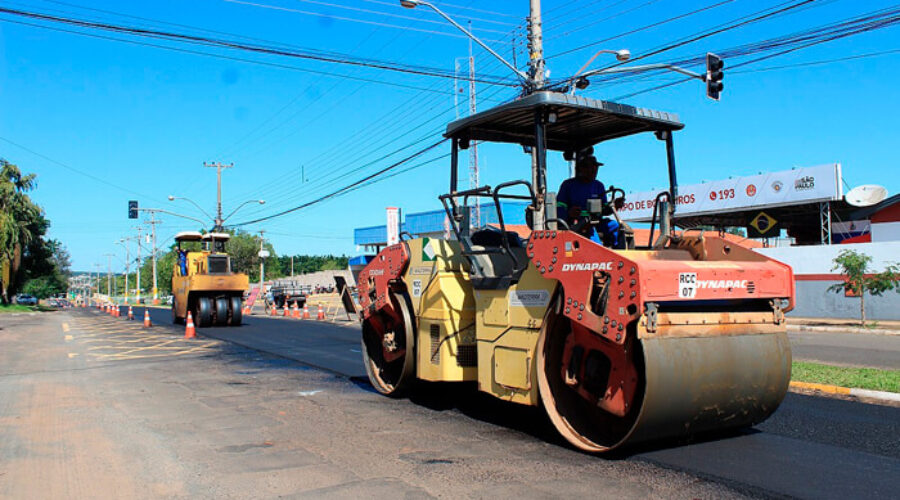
[[574, 193]]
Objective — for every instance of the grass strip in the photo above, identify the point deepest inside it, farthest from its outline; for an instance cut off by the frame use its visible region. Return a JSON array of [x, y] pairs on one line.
[[862, 378], [15, 308]]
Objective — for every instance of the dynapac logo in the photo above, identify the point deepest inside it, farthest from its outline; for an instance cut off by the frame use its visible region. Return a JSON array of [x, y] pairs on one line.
[[721, 283], [588, 266]]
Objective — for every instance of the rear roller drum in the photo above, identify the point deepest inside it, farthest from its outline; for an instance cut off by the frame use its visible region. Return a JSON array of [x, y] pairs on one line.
[[388, 346]]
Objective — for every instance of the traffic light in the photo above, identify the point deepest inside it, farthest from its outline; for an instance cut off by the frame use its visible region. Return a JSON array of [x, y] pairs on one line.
[[714, 75], [132, 209]]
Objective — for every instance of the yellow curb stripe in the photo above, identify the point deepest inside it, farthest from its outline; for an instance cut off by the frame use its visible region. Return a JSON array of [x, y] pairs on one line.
[[831, 389]]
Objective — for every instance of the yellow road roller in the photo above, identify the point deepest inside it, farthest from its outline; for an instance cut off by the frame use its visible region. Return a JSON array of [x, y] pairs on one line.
[[203, 282], [619, 343]]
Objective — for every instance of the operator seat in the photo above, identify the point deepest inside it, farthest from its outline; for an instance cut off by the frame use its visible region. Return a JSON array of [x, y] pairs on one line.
[[492, 267]]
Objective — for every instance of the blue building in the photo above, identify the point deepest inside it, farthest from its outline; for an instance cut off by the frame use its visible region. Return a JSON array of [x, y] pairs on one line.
[[433, 223]]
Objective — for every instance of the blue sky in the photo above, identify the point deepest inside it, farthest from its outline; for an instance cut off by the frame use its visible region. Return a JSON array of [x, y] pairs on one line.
[[144, 119]]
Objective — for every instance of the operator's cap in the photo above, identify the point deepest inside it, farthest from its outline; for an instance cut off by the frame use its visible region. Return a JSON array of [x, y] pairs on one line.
[[586, 157]]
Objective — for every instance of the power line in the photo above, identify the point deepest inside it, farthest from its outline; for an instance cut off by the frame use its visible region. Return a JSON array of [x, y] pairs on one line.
[[399, 16], [642, 28], [306, 54], [345, 188], [73, 169], [349, 19]]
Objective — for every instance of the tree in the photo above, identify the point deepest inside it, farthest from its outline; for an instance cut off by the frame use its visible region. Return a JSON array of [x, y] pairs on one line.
[[19, 220], [858, 280]]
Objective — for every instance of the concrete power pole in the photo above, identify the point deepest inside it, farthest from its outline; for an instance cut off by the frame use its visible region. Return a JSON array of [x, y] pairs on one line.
[[218, 166], [153, 222], [262, 258], [536, 44], [109, 257], [137, 296], [536, 64]]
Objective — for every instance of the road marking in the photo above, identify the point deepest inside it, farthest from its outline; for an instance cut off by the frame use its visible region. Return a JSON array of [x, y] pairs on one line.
[[355, 350], [72, 355], [309, 393], [68, 338], [65, 327]]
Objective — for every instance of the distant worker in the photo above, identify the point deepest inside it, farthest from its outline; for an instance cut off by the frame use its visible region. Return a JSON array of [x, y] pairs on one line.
[[182, 261], [571, 201]]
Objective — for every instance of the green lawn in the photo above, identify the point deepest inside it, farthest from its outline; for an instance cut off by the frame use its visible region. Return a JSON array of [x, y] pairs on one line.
[[862, 378], [15, 308]]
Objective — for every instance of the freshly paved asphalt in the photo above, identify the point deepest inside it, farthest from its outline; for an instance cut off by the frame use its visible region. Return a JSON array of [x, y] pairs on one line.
[[812, 447]]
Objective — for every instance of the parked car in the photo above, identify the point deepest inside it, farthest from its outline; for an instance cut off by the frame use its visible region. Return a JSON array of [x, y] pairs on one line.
[[26, 300]]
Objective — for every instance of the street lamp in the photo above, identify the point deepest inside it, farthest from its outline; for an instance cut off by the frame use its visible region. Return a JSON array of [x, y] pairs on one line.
[[261, 202], [412, 4], [173, 198]]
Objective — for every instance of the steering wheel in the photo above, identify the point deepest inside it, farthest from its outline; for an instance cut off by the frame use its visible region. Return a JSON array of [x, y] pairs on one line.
[[615, 194]]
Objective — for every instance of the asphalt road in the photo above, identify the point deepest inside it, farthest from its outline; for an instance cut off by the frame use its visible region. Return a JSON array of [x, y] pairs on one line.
[[851, 349], [812, 447]]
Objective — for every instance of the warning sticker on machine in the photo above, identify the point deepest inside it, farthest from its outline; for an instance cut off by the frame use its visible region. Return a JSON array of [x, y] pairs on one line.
[[529, 298], [687, 285], [416, 288]]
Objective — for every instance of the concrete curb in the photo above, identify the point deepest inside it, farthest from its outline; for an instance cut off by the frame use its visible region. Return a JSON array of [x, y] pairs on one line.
[[840, 329], [892, 397]]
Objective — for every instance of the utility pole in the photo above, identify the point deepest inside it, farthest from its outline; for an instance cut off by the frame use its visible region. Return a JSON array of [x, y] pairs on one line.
[[292, 267], [261, 262], [153, 222], [124, 243], [137, 298], [109, 257], [473, 149], [536, 63], [536, 44], [218, 166]]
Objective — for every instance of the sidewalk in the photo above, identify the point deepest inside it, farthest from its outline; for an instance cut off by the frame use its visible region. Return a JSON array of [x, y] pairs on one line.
[[840, 325]]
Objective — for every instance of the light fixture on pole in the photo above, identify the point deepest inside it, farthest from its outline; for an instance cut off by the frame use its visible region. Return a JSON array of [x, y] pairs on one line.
[[411, 4]]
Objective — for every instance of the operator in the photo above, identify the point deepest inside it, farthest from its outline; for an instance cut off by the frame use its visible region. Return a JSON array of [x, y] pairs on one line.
[[182, 261], [571, 201]]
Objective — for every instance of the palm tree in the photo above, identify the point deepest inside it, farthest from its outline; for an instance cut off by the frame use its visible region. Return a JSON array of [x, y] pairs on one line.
[[18, 218]]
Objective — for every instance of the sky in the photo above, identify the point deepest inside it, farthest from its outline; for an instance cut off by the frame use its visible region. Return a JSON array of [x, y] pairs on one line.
[[107, 118]]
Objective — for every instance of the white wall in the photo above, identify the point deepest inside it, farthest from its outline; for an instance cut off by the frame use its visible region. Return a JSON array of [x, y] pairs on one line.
[[886, 231], [819, 259]]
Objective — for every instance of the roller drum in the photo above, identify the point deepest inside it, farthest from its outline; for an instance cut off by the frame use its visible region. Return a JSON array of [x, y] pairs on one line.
[[687, 385], [698, 384]]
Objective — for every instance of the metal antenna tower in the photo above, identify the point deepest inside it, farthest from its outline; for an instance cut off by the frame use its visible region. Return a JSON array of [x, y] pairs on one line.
[[473, 149]]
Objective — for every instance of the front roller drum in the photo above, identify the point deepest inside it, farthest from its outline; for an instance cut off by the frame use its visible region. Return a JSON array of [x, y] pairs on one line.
[[686, 385], [388, 347]]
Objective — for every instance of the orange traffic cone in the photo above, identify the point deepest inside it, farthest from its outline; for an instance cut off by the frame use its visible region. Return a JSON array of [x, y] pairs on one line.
[[305, 310], [147, 322], [130, 314], [189, 331], [321, 314], [287, 311], [295, 311], [116, 310], [274, 311]]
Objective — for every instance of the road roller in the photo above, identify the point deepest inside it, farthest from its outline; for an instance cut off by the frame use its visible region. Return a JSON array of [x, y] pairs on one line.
[[619, 344], [203, 282]]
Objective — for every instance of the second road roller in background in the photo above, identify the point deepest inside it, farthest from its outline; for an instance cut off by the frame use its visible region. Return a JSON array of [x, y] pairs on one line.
[[682, 335], [203, 282]]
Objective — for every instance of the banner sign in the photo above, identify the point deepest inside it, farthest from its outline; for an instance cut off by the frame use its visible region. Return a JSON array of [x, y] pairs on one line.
[[393, 225], [776, 189]]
